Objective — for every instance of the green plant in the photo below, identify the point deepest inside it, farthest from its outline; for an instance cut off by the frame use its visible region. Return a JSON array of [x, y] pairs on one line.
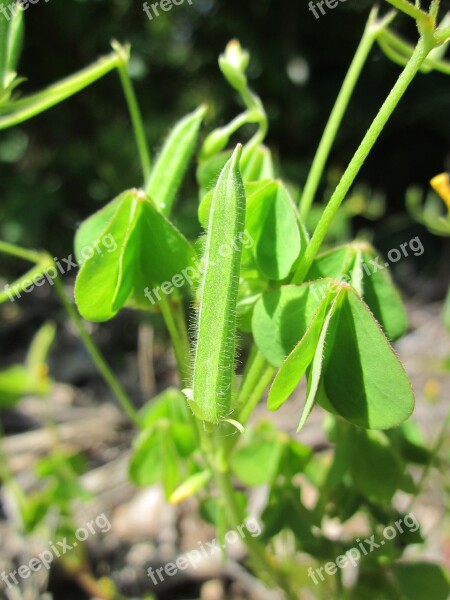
[[299, 312]]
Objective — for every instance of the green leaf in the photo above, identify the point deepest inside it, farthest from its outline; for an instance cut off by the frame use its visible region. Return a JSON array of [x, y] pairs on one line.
[[363, 378], [286, 511], [184, 437], [103, 284], [167, 439], [316, 369], [32, 378], [422, 581], [250, 291], [93, 227], [11, 39], [170, 168], [408, 440], [170, 463], [208, 172], [257, 463], [334, 263], [145, 465], [355, 373], [169, 404], [272, 222], [308, 350], [112, 277], [281, 318], [258, 165], [383, 299], [190, 487], [272, 225], [359, 264], [216, 322], [376, 470], [15, 383]]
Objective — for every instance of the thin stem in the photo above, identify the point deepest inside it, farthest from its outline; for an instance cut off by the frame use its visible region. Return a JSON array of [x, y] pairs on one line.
[[442, 35], [433, 456], [18, 252], [248, 365], [256, 379], [423, 47], [257, 393], [407, 8], [134, 110], [97, 356], [173, 318], [178, 335], [44, 262], [337, 114], [399, 52], [263, 562], [33, 105]]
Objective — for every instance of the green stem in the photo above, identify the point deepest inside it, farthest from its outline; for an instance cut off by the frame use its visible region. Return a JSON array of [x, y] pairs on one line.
[[264, 563], [44, 262], [256, 379], [409, 9], [96, 355], [257, 393], [177, 330], [178, 312], [399, 52], [33, 105], [423, 47], [23, 253], [134, 110], [172, 316], [248, 365], [315, 174]]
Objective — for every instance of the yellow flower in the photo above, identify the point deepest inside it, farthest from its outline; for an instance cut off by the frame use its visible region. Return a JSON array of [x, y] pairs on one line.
[[441, 185]]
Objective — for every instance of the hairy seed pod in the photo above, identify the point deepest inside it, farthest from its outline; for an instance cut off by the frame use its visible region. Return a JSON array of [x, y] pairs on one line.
[[168, 172], [216, 323]]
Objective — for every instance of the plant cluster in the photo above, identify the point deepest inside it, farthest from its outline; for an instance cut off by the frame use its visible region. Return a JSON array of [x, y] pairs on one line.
[[281, 308]]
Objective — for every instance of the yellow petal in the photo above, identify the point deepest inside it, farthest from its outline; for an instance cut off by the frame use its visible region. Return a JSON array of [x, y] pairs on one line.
[[441, 185]]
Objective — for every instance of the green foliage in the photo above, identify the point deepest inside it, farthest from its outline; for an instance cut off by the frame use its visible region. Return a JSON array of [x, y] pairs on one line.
[[11, 39], [165, 443], [358, 372], [422, 580], [323, 316], [32, 378], [108, 280]]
